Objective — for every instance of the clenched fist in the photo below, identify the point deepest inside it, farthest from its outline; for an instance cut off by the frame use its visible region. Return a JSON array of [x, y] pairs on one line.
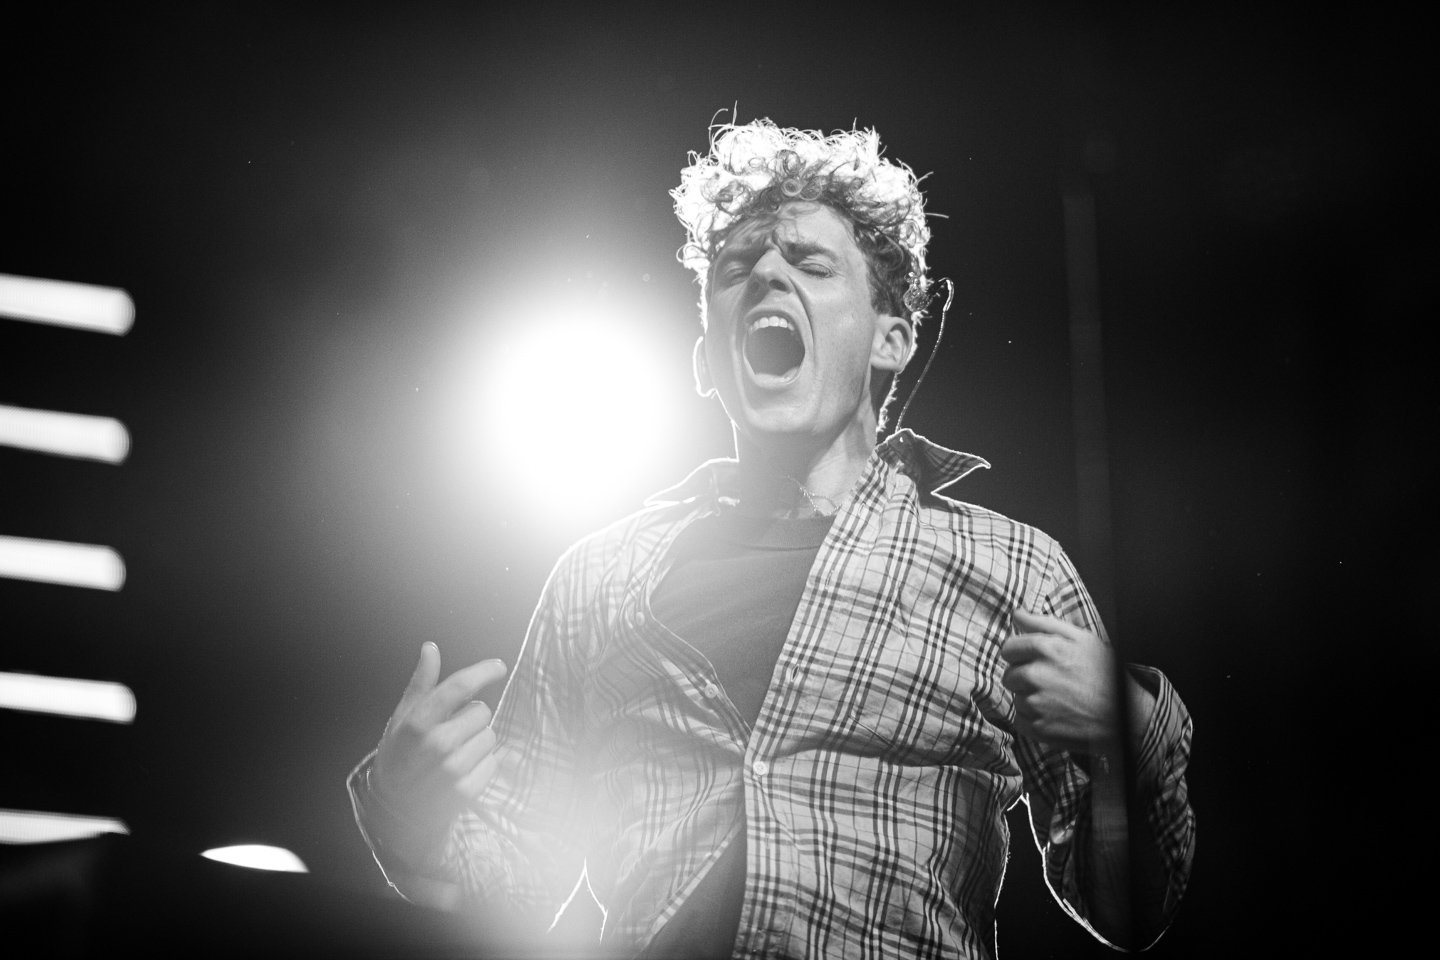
[[1064, 682]]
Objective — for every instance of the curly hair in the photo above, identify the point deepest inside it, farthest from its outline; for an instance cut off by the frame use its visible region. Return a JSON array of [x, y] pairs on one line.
[[754, 168]]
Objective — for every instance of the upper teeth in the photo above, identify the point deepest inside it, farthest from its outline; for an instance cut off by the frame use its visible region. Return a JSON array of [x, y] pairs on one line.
[[762, 323]]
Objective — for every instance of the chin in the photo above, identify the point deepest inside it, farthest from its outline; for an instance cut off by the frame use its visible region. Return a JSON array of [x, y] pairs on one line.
[[773, 427]]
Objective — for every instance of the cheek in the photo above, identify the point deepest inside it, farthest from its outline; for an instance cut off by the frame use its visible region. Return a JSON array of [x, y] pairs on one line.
[[721, 363], [850, 342]]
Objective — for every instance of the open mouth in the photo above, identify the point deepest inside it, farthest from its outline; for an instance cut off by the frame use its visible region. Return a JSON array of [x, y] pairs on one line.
[[773, 347]]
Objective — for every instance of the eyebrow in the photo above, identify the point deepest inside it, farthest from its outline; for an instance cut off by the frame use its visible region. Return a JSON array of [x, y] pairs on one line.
[[790, 249], [803, 248]]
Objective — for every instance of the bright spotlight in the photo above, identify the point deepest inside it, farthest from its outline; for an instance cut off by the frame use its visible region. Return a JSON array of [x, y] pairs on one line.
[[258, 856], [571, 412]]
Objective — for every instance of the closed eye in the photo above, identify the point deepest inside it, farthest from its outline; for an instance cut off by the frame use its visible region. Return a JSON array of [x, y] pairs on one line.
[[732, 270]]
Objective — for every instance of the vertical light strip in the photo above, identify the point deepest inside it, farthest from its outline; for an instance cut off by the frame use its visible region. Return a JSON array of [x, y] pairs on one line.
[[30, 826], [1087, 394], [91, 699], [54, 561], [67, 304], [64, 434]]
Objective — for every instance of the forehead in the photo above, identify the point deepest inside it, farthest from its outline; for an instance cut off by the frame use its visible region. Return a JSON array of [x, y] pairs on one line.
[[800, 222]]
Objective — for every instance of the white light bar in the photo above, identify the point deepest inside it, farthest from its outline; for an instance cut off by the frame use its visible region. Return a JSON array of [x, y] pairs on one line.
[[258, 856], [28, 826], [92, 699], [54, 561], [67, 304], [64, 434]]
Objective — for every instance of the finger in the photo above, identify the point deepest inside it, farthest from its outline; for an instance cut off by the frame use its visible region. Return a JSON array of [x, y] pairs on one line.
[[1018, 681], [1040, 623], [1025, 713], [427, 671], [479, 778], [473, 718], [471, 752], [459, 688], [1020, 648]]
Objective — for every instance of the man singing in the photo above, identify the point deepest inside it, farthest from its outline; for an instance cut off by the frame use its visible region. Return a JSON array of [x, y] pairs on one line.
[[783, 710]]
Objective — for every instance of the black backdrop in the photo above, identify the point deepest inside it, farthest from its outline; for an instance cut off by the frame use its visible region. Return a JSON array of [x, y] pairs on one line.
[[307, 206]]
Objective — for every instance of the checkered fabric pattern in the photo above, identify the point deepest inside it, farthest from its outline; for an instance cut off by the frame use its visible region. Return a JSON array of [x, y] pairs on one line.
[[871, 792]]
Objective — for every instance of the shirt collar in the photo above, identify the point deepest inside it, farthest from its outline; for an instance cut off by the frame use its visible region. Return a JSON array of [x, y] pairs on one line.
[[932, 466]]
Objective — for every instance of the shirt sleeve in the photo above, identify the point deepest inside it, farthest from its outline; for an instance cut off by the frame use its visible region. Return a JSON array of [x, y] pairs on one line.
[[517, 851], [1065, 816]]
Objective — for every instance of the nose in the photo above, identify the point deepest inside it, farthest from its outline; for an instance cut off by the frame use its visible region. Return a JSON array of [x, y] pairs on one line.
[[771, 272]]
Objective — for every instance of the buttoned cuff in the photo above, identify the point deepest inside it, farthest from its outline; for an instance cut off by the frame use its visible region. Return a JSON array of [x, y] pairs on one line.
[[1156, 758], [1162, 743]]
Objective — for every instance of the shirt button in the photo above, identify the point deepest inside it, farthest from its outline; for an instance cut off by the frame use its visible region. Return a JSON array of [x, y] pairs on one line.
[[795, 674], [712, 691], [760, 768], [1061, 835]]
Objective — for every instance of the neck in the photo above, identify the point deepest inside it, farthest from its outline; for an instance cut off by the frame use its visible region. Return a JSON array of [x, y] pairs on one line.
[[782, 480]]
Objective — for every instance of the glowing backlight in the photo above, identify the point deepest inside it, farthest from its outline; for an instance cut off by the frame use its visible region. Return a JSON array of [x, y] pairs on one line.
[[64, 434], [571, 415], [258, 856], [83, 305], [55, 561]]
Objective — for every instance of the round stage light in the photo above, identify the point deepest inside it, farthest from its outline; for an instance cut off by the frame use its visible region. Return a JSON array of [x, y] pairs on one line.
[[570, 414]]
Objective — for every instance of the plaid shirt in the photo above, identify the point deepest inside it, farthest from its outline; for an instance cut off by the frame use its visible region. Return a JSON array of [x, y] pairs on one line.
[[871, 792]]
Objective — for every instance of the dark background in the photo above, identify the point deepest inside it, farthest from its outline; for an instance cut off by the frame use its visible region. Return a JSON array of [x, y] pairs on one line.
[[309, 208]]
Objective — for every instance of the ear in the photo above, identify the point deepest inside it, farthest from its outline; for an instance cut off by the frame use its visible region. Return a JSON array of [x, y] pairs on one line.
[[893, 344], [704, 385]]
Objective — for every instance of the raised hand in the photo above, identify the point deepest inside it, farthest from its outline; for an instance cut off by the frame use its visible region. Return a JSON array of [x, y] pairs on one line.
[[437, 753], [1064, 682]]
